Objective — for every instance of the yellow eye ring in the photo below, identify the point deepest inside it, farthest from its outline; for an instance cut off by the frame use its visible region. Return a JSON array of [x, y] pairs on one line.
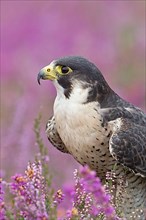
[[63, 70]]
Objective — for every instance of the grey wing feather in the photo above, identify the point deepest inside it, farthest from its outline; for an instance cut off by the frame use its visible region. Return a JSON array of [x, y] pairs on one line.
[[134, 114], [53, 135], [128, 145]]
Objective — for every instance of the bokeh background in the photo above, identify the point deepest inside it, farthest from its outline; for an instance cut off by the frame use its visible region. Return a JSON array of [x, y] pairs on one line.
[[33, 33]]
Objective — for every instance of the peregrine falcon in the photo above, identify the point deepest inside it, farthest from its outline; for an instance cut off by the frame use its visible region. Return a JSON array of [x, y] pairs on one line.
[[97, 127]]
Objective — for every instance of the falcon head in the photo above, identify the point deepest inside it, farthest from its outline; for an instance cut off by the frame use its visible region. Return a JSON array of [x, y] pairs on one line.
[[75, 76]]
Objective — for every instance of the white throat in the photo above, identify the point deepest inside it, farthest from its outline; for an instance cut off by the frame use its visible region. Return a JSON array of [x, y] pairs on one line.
[[78, 94]]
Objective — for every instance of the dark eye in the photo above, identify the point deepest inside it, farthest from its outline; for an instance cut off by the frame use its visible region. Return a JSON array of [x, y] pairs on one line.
[[65, 69]]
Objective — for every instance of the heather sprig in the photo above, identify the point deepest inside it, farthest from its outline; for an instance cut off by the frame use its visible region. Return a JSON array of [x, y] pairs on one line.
[[90, 198], [116, 189], [31, 196], [29, 192], [43, 151], [44, 158]]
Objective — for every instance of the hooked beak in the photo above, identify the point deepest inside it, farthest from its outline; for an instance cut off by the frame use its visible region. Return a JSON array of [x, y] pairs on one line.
[[47, 73]]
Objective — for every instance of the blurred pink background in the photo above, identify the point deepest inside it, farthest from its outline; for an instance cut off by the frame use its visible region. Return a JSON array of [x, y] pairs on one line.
[[33, 33]]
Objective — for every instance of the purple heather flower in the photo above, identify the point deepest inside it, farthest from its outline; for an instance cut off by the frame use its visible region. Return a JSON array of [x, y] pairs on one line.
[[58, 197], [29, 192], [91, 198]]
